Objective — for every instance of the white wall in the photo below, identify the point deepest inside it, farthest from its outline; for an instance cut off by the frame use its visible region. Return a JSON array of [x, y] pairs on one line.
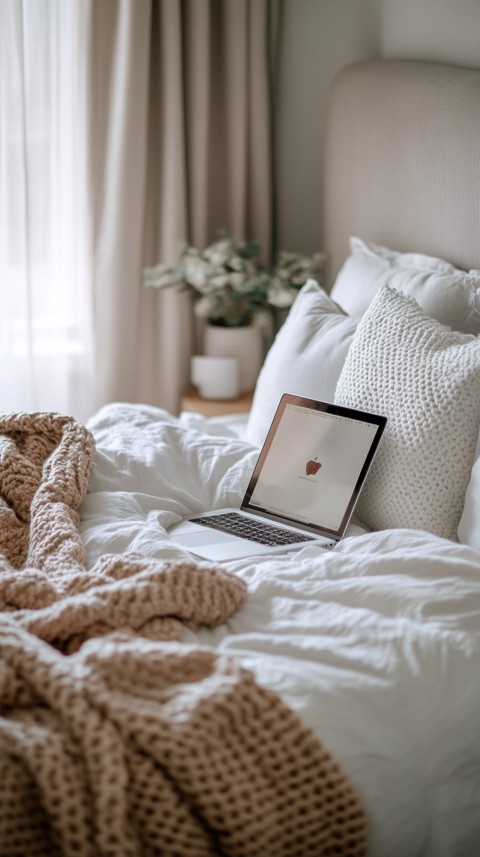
[[320, 37], [436, 30]]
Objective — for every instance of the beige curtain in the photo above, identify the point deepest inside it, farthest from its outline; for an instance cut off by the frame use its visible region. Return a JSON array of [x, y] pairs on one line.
[[181, 146]]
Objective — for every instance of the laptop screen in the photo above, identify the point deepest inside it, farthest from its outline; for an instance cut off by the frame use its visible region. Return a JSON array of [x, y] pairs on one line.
[[313, 464]]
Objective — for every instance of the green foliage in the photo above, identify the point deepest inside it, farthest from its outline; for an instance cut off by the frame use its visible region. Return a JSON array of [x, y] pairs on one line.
[[230, 284]]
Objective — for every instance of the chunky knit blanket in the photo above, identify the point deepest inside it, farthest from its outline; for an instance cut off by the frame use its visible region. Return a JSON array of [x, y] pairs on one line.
[[115, 737]]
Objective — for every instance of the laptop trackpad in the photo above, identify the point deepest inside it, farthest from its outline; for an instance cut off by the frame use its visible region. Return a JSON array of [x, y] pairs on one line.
[[196, 540]]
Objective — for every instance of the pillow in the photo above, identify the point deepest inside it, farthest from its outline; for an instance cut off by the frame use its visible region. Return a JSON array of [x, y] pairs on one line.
[[443, 291], [426, 380], [469, 526], [306, 357]]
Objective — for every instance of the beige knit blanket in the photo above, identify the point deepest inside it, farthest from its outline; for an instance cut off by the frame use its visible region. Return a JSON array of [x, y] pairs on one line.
[[115, 737]]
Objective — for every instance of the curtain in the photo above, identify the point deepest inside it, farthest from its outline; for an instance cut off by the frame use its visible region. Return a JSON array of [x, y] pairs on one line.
[[126, 127], [181, 123], [46, 337]]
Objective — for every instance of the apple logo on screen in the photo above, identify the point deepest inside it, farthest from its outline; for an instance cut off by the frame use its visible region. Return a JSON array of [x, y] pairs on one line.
[[312, 467]]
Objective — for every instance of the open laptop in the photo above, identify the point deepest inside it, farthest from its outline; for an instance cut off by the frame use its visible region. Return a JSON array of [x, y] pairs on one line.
[[303, 488]]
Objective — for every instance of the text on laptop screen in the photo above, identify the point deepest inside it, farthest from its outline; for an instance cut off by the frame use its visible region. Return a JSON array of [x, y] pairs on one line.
[[312, 466]]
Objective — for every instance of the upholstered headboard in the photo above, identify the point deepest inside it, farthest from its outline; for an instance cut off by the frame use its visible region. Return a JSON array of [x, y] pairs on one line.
[[402, 161]]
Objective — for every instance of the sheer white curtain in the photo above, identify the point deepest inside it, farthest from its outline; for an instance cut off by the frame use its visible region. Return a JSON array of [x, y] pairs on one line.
[[126, 126], [46, 338]]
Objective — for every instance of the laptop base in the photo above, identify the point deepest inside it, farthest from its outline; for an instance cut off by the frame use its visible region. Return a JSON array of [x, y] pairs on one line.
[[220, 546]]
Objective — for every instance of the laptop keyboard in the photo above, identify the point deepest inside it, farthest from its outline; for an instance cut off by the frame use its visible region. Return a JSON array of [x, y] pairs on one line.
[[251, 529]]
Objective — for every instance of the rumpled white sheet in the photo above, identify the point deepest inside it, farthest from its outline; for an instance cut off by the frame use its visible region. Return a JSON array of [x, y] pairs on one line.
[[376, 644]]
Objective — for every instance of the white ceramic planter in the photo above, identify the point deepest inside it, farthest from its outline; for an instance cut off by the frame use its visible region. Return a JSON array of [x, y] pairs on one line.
[[215, 377], [244, 343]]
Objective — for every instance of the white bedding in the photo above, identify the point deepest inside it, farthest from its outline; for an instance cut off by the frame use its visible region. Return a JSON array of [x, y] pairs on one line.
[[376, 645]]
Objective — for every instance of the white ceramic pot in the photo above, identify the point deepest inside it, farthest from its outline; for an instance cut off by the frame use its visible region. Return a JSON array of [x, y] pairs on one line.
[[215, 377], [244, 343]]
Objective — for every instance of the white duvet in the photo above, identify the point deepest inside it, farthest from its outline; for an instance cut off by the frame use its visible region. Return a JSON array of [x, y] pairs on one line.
[[376, 645]]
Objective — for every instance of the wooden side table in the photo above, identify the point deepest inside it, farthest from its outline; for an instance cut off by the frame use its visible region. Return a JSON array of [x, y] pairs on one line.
[[191, 401]]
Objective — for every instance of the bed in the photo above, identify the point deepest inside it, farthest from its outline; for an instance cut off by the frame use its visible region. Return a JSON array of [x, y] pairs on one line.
[[373, 647]]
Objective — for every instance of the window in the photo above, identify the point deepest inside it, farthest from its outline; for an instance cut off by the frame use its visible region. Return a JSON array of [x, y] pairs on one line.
[[45, 319]]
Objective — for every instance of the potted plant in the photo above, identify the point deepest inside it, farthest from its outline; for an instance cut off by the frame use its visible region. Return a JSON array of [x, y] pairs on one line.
[[236, 294]]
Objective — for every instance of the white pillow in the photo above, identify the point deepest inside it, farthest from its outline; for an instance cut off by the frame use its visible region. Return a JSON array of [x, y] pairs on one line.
[[306, 357], [426, 380], [443, 291], [469, 526]]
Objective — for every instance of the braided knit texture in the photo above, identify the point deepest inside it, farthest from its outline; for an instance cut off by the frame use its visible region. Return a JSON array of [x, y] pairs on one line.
[[45, 466], [425, 378], [115, 737]]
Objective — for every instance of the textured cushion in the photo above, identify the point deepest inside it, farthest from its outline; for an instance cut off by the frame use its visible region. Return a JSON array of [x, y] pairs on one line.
[[306, 357], [426, 380], [443, 291]]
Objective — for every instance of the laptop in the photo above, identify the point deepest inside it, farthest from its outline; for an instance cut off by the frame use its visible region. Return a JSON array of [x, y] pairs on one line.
[[303, 488]]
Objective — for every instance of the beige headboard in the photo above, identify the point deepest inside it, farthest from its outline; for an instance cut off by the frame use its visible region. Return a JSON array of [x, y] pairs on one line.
[[403, 160]]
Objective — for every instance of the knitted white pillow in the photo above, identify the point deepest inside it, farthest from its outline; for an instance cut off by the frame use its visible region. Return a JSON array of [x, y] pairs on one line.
[[425, 379]]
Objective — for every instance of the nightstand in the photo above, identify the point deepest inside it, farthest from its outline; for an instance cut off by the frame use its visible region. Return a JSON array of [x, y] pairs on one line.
[[191, 401]]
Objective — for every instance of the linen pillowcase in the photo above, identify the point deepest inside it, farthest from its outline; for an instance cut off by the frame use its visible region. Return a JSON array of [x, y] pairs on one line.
[[469, 526], [306, 357], [446, 293], [425, 379]]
